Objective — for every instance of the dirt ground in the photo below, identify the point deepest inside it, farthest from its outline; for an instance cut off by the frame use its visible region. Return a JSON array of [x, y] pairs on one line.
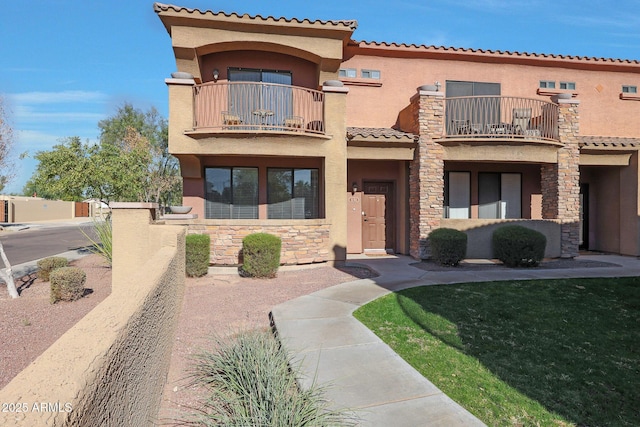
[[217, 304], [30, 324], [224, 304]]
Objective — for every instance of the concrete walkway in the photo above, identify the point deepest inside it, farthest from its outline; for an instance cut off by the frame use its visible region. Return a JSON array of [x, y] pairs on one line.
[[364, 374]]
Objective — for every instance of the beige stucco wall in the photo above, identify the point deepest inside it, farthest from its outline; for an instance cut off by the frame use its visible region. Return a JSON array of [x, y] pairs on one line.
[[598, 86], [36, 209], [480, 234], [614, 218], [110, 368]]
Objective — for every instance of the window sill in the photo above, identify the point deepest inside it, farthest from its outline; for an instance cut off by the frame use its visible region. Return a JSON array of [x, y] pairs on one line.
[[551, 92], [361, 82], [630, 96]]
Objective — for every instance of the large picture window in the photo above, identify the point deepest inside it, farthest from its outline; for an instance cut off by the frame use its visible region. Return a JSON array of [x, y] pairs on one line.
[[292, 193], [231, 193], [457, 198], [499, 195]]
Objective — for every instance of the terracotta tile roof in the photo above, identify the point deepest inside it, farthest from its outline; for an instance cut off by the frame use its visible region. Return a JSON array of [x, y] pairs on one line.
[[380, 134], [609, 142], [161, 7], [444, 49]]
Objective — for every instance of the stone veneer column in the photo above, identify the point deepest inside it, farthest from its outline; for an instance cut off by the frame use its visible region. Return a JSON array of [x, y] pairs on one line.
[[426, 175], [561, 182]]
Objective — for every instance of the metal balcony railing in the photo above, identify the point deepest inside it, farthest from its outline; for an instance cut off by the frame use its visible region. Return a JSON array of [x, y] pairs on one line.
[[258, 107], [501, 117]]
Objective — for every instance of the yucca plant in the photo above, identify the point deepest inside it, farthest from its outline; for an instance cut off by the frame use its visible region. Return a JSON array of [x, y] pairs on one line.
[[102, 243], [251, 382]]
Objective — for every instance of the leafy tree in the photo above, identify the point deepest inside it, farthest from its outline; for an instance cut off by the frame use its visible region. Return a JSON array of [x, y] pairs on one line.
[[134, 131], [6, 145], [61, 172], [130, 163]]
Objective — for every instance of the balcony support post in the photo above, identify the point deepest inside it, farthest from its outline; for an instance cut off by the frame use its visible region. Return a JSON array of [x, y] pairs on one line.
[[426, 175], [335, 168]]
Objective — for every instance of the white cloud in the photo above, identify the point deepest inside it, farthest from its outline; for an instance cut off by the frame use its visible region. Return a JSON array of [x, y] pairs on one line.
[[35, 140], [27, 114], [68, 96]]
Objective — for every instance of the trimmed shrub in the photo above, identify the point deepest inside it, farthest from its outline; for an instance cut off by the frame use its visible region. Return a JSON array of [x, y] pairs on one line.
[[518, 246], [261, 255], [47, 265], [448, 246], [67, 284], [197, 253]]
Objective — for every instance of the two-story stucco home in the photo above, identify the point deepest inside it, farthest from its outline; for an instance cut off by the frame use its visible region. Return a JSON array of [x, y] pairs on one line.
[[291, 127]]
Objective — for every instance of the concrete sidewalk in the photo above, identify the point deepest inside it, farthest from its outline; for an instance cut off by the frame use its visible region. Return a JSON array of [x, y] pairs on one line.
[[363, 372]]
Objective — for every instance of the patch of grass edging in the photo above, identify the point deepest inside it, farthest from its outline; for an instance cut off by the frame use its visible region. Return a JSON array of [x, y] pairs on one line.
[[543, 352]]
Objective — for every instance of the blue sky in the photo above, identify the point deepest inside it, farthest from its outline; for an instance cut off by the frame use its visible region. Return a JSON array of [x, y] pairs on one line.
[[67, 64]]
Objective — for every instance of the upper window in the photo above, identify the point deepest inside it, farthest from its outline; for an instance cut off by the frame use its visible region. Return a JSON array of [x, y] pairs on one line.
[[258, 75], [458, 88], [547, 84], [231, 193], [568, 85], [292, 193], [629, 89], [370, 74], [347, 72]]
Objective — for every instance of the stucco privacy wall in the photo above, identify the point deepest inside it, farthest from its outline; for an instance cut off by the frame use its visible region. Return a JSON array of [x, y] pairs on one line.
[[35, 209], [110, 368], [480, 234]]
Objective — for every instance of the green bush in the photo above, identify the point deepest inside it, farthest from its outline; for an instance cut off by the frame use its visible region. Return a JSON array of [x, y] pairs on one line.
[[250, 380], [261, 255], [198, 254], [448, 246], [67, 284], [47, 265], [518, 246]]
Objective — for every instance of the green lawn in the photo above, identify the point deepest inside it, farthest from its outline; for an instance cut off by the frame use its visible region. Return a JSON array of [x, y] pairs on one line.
[[523, 353]]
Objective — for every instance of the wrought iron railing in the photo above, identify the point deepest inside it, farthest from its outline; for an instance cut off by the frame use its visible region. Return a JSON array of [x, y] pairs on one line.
[[501, 117], [258, 107]]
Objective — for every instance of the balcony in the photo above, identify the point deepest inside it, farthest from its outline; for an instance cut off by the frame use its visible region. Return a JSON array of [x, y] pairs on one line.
[[500, 118], [246, 107]]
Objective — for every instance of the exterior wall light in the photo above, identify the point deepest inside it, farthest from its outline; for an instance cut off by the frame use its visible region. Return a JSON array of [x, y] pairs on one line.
[[354, 187], [216, 74], [437, 83]]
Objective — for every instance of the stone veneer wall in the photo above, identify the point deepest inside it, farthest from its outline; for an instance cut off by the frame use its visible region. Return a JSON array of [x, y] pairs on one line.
[[302, 243], [426, 176], [560, 183], [111, 367]]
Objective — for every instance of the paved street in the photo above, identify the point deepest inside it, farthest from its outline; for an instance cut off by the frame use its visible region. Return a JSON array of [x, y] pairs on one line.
[[39, 241]]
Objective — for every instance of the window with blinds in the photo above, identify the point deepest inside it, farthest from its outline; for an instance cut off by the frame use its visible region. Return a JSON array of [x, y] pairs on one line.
[[292, 193], [231, 193]]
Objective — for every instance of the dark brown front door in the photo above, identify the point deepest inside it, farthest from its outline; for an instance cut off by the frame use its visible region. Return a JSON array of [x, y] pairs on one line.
[[378, 218]]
